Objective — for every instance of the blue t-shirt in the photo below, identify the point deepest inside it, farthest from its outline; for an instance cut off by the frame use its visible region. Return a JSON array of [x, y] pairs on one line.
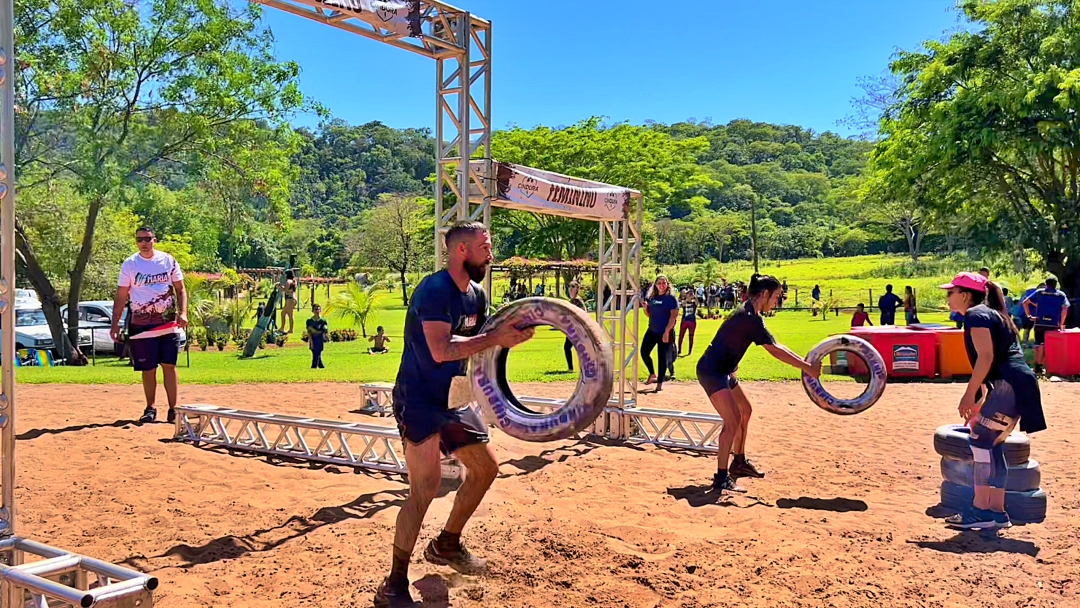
[[889, 302], [660, 308], [1046, 305], [420, 380]]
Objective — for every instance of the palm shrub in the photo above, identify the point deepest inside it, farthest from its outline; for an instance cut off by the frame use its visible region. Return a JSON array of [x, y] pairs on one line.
[[354, 304]]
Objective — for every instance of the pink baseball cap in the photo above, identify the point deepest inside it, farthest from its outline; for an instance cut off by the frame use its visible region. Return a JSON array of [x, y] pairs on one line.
[[967, 280]]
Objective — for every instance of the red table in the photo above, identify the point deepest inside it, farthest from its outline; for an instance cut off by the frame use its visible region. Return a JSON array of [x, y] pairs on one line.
[[1063, 352], [908, 353]]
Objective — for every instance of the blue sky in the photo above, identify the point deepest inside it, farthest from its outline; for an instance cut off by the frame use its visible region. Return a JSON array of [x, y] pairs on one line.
[[556, 62]]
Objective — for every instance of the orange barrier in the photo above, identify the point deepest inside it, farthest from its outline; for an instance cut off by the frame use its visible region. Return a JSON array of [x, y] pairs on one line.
[[952, 359]]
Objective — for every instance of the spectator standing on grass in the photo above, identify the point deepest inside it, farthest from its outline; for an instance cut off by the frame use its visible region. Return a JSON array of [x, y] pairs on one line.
[[860, 318], [1047, 309], [1025, 323], [568, 346], [153, 284], [316, 331], [888, 304], [911, 314], [662, 310], [816, 294], [689, 321], [289, 303]]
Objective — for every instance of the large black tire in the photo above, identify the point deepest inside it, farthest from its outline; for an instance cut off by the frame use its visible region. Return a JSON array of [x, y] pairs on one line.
[[1023, 478], [1022, 507], [951, 441], [487, 372]]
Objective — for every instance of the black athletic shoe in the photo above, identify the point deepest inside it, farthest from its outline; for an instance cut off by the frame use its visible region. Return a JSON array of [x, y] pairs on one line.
[[388, 597], [745, 468], [728, 485], [171, 416], [149, 414], [459, 559]]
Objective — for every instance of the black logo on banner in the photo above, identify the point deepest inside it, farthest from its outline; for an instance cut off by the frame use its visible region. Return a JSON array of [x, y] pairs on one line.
[[572, 196], [528, 186], [612, 200]]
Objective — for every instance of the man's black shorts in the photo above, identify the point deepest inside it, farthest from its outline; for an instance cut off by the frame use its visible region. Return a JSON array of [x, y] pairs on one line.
[[456, 428], [1040, 334], [148, 353]]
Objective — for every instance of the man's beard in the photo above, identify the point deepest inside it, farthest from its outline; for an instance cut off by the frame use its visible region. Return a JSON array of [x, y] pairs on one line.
[[477, 272]]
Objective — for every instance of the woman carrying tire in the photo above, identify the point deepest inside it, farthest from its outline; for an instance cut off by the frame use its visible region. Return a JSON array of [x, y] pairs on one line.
[[1011, 394], [716, 373], [662, 310]]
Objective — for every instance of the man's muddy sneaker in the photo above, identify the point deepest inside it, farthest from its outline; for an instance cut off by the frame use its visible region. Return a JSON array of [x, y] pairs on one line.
[[459, 559], [390, 597], [744, 468], [727, 484], [149, 414], [171, 416], [972, 519]]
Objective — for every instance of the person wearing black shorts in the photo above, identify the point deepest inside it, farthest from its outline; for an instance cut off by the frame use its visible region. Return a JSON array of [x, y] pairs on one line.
[[153, 284], [716, 374], [1010, 389], [1046, 310], [442, 330]]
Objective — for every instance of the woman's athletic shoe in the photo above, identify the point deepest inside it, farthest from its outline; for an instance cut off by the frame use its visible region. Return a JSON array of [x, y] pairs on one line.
[[726, 485], [744, 468], [387, 597], [149, 414], [973, 519], [459, 559]]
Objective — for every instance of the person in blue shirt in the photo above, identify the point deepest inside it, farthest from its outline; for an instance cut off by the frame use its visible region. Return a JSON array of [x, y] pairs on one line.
[[662, 309], [1009, 389], [888, 304], [1047, 310], [442, 330]]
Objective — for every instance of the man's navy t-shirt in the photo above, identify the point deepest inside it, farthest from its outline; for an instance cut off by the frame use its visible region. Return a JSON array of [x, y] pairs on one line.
[[1047, 305], [421, 381], [889, 302], [660, 307]]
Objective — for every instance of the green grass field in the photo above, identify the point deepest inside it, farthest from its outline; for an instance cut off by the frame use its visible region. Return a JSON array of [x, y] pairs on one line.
[[541, 360]]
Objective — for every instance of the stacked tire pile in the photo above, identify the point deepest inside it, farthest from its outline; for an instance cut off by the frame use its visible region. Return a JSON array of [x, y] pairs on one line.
[[1025, 501]]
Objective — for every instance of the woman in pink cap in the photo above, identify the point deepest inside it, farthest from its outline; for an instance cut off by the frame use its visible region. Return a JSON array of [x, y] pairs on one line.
[[1011, 394]]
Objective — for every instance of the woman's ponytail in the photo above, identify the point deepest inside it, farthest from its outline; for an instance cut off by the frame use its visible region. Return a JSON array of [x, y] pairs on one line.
[[762, 282]]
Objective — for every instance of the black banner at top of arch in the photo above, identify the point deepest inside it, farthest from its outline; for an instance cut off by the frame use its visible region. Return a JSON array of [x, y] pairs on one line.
[[399, 17]]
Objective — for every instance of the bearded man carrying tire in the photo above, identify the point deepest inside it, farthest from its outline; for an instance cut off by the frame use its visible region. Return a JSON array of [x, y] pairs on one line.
[[442, 330]]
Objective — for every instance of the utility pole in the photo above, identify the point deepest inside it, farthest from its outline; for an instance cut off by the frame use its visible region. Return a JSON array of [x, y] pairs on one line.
[[753, 228]]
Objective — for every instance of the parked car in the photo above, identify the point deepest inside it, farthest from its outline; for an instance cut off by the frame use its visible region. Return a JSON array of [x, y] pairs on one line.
[[26, 298], [32, 331], [97, 315]]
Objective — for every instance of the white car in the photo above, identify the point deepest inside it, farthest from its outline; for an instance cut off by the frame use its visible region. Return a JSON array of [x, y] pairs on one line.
[[32, 331], [26, 298], [96, 315]]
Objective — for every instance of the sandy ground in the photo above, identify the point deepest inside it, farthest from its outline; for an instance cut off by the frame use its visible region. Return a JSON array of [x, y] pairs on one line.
[[845, 517]]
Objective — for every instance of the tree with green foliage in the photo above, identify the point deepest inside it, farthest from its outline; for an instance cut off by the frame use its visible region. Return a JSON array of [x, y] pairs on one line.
[[394, 235], [111, 91], [990, 120]]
